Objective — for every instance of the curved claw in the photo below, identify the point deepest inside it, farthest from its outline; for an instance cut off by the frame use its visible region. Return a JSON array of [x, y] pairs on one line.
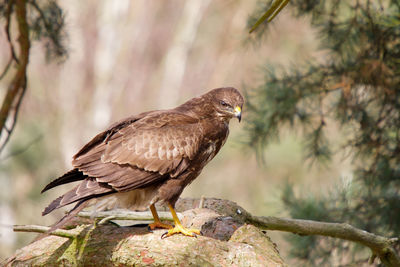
[[182, 230]]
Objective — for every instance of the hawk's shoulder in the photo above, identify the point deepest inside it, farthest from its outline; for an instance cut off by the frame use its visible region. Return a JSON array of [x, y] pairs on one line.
[[159, 141], [101, 137]]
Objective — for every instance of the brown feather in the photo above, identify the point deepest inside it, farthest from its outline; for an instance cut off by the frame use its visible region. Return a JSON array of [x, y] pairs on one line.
[[64, 220], [71, 176]]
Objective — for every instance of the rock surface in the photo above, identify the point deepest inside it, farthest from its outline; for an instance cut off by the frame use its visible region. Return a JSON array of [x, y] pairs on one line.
[[226, 241]]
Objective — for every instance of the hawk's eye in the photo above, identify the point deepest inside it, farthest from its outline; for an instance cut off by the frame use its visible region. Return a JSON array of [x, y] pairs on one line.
[[224, 104]]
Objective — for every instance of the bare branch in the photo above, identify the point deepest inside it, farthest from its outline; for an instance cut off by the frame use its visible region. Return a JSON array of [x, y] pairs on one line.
[[7, 29], [16, 90], [10, 61], [45, 229], [270, 14], [380, 246], [127, 215], [13, 117]]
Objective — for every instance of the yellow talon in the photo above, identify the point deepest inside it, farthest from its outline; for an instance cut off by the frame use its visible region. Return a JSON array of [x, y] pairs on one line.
[[178, 228], [157, 222]]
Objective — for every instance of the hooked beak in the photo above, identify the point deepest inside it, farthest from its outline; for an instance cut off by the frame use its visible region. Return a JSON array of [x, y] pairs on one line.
[[238, 113]]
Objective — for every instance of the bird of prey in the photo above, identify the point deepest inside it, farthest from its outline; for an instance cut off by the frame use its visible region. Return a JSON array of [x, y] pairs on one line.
[[149, 158]]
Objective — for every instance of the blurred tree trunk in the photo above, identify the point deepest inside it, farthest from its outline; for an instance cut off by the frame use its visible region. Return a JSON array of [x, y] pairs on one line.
[[174, 62]]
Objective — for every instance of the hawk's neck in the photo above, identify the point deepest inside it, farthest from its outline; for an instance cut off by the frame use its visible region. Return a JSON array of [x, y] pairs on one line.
[[197, 107]]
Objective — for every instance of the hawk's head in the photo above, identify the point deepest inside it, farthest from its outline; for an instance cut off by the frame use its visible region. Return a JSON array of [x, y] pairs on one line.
[[227, 102]]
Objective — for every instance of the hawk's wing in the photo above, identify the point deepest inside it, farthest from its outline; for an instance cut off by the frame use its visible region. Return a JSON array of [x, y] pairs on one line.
[[132, 154], [143, 152]]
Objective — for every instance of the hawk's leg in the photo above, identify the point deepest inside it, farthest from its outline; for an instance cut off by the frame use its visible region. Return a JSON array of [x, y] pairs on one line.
[[157, 222], [178, 228]]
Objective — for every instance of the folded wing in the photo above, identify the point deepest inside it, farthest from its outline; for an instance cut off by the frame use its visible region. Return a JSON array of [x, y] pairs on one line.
[[149, 150]]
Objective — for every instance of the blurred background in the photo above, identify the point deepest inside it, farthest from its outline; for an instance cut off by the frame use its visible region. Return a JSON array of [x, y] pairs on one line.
[[126, 57]]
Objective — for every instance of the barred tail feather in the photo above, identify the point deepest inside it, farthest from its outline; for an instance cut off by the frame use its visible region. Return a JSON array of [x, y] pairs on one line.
[[86, 190], [53, 205], [71, 214]]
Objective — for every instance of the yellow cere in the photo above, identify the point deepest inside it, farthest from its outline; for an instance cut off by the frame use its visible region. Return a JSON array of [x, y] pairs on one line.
[[238, 110]]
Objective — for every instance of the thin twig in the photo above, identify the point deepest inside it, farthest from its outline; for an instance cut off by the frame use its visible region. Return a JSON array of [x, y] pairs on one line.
[[106, 219], [7, 29], [201, 202], [23, 149], [14, 117], [285, 2], [6, 68], [127, 215], [45, 229], [48, 26], [270, 14], [41, 14]]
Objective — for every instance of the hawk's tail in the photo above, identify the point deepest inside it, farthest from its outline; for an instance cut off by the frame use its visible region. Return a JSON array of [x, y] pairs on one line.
[[53, 205], [71, 176], [72, 196], [87, 189], [78, 207]]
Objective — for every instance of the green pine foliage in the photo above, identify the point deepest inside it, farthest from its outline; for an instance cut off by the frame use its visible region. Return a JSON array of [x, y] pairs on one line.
[[46, 24], [356, 88]]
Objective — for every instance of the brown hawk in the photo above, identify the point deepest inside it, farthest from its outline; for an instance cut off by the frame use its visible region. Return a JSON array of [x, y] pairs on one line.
[[149, 157]]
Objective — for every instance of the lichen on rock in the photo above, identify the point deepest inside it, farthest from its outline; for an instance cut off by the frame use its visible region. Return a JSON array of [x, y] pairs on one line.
[[226, 241]]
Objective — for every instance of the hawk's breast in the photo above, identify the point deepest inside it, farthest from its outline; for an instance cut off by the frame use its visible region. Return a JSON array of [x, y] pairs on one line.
[[215, 143], [210, 152]]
